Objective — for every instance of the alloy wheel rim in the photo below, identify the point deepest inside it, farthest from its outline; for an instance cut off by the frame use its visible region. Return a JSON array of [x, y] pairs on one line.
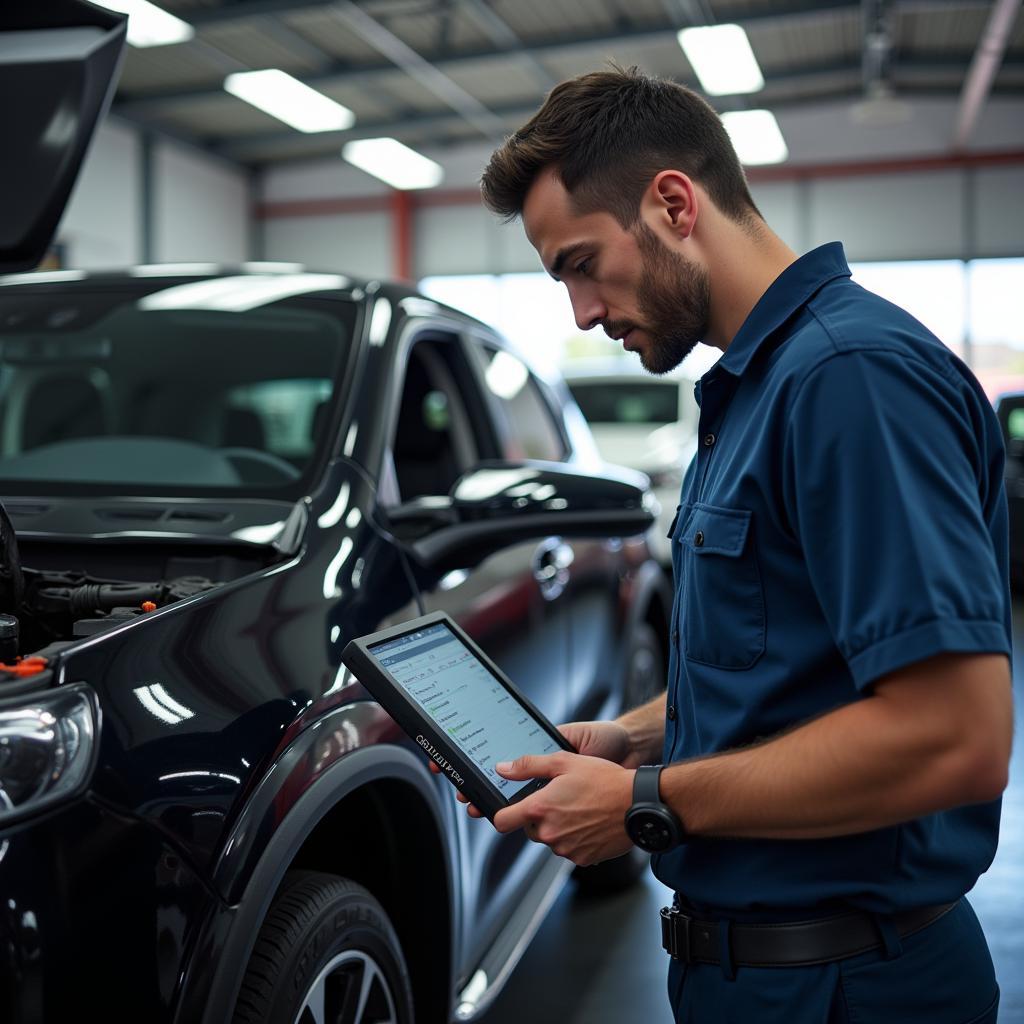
[[350, 989]]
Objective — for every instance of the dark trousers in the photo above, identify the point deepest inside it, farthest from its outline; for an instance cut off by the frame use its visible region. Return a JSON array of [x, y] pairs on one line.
[[940, 975]]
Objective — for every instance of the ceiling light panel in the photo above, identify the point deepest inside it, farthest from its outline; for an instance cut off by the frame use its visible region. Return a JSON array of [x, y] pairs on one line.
[[722, 59], [394, 163], [149, 25], [756, 136], [279, 94]]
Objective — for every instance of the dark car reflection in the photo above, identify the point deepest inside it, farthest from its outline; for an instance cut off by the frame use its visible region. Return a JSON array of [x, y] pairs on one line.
[[213, 483]]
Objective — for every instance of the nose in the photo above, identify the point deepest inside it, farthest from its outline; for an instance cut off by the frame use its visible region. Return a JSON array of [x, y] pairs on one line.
[[587, 307]]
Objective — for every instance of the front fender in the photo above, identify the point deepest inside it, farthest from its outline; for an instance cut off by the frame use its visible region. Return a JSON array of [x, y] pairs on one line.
[[264, 843]]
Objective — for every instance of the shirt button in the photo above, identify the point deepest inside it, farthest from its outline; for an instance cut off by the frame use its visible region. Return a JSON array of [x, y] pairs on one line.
[[675, 637], [698, 540], [671, 712], [709, 440]]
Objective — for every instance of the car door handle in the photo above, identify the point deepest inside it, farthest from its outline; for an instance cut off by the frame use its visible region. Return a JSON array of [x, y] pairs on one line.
[[551, 562]]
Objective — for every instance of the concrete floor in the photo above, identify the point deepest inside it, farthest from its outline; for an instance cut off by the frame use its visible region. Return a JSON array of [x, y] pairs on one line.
[[601, 962]]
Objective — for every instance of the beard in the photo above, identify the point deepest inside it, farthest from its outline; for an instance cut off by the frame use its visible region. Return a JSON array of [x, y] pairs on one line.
[[674, 299]]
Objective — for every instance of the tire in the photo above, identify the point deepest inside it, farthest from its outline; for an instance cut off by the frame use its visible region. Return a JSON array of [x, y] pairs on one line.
[[645, 668], [645, 679], [326, 944]]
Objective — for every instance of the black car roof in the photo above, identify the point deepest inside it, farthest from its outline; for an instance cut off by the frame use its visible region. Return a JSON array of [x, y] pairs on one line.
[[182, 273]]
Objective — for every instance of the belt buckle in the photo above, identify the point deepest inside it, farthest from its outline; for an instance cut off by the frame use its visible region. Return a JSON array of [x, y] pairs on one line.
[[673, 926]]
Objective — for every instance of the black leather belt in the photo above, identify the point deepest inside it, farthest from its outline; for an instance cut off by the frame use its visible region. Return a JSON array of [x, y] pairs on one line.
[[791, 943]]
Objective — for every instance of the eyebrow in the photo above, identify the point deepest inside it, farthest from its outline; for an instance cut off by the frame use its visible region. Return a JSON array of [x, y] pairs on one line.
[[565, 254]]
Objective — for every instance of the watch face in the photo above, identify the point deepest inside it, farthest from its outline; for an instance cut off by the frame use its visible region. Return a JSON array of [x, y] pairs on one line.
[[651, 831]]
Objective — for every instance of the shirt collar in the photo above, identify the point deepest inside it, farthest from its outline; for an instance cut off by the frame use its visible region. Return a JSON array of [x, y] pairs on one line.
[[785, 295]]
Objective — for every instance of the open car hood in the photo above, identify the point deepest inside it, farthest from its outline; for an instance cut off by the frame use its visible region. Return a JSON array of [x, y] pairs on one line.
[[58, 68]]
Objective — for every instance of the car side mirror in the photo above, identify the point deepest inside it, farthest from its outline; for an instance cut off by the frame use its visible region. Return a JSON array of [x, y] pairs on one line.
[[497, 504]]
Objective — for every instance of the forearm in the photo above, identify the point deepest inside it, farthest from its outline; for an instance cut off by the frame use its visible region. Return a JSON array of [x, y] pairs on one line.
[[646, 728], [863, 766]]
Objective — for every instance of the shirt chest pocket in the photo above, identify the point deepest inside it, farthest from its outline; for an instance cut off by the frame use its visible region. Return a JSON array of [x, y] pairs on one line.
[[724, 623]]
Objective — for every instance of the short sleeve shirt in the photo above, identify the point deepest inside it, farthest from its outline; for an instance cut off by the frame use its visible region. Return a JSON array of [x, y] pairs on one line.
[[844, 517]]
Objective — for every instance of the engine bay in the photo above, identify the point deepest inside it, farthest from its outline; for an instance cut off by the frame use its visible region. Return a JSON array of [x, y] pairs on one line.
[[53, 594]]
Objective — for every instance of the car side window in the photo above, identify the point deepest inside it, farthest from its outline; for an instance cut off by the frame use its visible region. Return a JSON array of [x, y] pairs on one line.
[[532, 430], [1010, 411], [438, 435]]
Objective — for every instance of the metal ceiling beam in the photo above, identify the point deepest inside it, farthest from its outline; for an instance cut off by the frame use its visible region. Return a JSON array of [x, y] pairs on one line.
[[244, 148], [688, 13], [236, 147], [877, 48], [250, 8], [442, 138], [417, 67], [274, 28], [984, 66], [506, 40], [363, 75]]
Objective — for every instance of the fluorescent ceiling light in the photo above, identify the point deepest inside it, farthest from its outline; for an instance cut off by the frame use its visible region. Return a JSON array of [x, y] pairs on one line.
[[278, 94], [398, 165], [149, 25], [722, 59], [755, 136]]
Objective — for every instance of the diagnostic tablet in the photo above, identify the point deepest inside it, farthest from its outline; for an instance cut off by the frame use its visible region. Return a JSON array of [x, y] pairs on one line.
[[456, 704]]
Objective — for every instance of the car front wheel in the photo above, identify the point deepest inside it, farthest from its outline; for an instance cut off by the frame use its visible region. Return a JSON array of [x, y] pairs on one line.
[[326, 954]]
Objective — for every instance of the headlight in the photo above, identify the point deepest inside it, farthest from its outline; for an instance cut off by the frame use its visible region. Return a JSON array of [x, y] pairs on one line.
[[46, 750]]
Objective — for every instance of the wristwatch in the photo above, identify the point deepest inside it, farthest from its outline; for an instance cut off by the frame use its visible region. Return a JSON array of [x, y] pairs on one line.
[[652, 825]]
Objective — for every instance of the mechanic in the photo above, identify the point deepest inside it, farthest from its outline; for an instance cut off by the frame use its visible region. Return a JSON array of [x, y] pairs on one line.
[[837, 726]]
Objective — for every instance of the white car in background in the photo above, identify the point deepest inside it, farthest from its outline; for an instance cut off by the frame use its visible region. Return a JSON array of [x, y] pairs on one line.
[[644, 422]]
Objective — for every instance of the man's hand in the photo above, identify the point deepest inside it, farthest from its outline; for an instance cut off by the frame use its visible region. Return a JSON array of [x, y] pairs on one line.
[[579, 813], [607, 740]]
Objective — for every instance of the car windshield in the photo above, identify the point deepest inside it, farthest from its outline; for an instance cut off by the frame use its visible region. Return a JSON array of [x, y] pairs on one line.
[[614, 401], [158, 390]]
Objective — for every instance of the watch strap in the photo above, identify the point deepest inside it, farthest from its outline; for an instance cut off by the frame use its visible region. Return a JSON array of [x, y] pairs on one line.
[[645, 784]]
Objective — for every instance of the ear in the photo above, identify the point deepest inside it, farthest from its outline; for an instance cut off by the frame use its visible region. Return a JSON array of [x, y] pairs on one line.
[[670, 203]]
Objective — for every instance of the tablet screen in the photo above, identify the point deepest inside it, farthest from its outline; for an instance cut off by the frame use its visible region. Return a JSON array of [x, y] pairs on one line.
[[479, 715]]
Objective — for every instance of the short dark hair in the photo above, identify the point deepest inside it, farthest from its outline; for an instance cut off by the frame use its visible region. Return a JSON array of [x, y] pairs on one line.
[[607, 134]]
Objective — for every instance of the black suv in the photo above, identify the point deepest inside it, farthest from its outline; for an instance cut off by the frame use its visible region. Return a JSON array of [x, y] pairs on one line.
[[212, 482]]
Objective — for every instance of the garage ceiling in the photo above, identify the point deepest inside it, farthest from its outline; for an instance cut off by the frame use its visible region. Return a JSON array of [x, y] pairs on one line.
[[446, 72]]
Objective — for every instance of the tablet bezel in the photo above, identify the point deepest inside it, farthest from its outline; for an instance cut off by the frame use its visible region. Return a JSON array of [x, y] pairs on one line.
[[394, 698]]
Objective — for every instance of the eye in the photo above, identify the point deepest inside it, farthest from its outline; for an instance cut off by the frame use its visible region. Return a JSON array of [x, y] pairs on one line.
[[583, 267]]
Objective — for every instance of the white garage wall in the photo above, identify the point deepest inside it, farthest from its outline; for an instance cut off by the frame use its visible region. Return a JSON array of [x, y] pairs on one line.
[[890, 217], [998, 211], [100, 227], [357, 243], [200, 207], [941, 214], [951, 213]]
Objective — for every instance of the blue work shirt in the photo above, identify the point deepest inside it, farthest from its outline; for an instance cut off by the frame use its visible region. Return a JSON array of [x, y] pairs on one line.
[[844, 517]]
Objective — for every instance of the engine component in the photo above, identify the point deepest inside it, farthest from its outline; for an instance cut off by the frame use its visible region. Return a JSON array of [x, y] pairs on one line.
[[9, 633], [12, 584]]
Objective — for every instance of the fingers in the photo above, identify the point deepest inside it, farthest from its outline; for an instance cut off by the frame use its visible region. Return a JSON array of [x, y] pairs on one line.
[[533, 766], [513, 817]]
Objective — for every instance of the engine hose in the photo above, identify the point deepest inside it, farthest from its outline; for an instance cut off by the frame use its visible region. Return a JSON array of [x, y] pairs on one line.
[[89, 598]]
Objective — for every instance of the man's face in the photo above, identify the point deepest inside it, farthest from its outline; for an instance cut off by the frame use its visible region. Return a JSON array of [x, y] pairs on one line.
[[651, 298]]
